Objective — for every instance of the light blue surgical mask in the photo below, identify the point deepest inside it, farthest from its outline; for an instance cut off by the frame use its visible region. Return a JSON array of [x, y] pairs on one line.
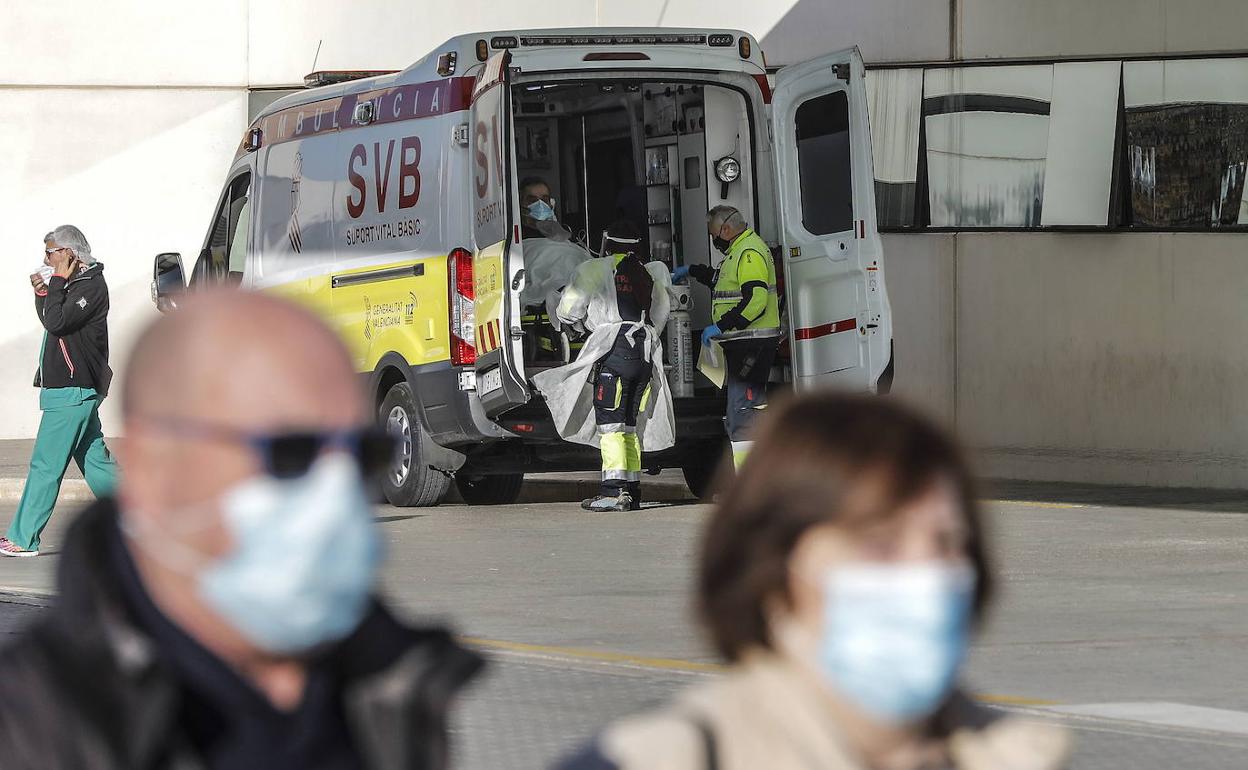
[[895, 635], [541, 211], [304, 558]]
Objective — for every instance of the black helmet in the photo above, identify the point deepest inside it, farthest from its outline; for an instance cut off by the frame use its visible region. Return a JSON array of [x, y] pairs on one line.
[[622, 237]]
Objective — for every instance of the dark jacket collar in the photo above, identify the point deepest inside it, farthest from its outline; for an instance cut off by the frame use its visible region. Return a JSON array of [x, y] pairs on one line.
[[398, 680], [95, 269]]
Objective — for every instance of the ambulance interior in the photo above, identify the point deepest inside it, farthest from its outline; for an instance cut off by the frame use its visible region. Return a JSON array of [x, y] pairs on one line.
[[637, 150]]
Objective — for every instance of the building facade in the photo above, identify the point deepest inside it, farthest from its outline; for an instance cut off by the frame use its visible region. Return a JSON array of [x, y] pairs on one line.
[[1061, 184]]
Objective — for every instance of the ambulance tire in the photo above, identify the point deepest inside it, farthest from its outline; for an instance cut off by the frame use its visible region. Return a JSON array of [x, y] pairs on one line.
[[501, 489], [409, 482], [702, 473]]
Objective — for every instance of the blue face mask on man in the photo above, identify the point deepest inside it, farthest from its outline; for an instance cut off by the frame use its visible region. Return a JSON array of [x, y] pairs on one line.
[[304, 558], [541, 211], [895, 635]]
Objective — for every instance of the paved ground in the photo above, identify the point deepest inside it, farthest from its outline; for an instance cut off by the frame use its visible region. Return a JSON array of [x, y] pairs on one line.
[[15, 455], [1107, 597]]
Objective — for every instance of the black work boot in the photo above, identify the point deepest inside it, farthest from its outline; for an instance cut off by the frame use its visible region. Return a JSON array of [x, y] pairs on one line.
[[633, 488]]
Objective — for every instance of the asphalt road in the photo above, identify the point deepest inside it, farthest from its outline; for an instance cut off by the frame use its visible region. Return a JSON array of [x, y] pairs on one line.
[[1120, 613]]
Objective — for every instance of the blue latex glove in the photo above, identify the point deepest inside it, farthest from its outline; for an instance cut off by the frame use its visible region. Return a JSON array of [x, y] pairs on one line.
[[709, 332], [680, 274]]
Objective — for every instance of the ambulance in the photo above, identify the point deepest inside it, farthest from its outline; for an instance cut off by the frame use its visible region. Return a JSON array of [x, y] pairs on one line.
[[390, 205]]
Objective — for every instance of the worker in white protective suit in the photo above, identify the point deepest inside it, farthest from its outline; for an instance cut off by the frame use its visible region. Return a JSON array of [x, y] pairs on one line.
[[615, 395]]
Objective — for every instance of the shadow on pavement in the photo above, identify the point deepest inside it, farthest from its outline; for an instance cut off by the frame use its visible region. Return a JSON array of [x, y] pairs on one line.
[[399, 517], [1176, 498]]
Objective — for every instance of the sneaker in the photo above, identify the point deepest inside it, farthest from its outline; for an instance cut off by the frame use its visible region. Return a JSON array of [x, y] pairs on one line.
[[604, 504], [9, 548]]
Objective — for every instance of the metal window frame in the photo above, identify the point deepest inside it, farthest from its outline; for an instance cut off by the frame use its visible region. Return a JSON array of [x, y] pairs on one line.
[[1119, 215]]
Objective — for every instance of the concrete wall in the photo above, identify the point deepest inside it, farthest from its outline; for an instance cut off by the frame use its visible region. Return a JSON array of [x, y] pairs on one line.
[[921, 278], [1105, 358], [1095, 358], [1052, 28]]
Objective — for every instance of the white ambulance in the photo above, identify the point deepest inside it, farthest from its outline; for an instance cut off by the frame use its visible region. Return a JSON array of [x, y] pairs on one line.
[[391, 205]]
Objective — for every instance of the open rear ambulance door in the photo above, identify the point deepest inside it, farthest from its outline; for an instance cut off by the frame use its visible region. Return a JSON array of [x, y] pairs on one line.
[[839, 318], [498, 262]]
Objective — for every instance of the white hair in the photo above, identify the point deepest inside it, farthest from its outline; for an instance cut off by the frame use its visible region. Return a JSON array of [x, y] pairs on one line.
[[716, 217], [70, 237]]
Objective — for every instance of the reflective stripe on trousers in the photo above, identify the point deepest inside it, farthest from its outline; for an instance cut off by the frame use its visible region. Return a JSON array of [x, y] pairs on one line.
[[740, 450], [621, 456]]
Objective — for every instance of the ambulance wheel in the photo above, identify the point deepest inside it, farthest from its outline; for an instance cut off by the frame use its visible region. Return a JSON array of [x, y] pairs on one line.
[[700, 474], [503, 489], [409, 482]]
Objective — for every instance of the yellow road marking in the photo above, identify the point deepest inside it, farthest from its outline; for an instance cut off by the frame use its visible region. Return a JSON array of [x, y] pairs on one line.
[[677, 664], [1035, 504]]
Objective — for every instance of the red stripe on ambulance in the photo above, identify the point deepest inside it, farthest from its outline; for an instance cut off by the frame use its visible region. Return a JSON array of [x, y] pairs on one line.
[[823, 330]]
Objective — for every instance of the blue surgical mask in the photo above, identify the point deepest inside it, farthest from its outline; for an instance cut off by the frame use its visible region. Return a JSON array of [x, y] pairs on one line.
[[895, 635], [304, 558], [541, 211]]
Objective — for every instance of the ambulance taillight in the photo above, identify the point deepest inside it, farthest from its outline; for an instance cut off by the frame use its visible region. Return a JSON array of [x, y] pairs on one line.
[[462, 308]]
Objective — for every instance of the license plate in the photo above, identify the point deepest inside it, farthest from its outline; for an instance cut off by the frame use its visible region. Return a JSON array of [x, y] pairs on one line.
[[490, 381]]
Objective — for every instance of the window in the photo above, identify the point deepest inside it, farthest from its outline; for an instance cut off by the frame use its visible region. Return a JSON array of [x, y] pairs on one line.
[[224, 259], [895, 99], [823, 164], [260, 98], [1145, 144], [1186, 136], [987, 135], [1083, 122]]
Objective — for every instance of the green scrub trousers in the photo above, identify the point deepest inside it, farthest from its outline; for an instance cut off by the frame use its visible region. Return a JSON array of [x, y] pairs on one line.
[[69, 429]]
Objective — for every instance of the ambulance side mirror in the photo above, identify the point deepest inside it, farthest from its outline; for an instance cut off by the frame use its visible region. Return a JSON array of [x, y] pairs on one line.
[[168, 281]]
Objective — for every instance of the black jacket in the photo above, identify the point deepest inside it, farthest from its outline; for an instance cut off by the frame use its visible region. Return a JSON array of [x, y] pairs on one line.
[[75, 314], [86, 689]]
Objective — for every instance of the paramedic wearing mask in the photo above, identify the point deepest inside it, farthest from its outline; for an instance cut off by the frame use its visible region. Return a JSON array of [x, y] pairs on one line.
[[745, 315], [841, 578], [624, 305], [220, 613]]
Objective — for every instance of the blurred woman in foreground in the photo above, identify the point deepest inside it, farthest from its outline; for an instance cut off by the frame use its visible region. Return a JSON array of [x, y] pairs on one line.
[[841, 577]]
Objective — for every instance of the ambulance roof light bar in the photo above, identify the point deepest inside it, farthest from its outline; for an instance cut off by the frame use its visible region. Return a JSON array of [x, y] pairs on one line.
[[332, 77], [717, 40]]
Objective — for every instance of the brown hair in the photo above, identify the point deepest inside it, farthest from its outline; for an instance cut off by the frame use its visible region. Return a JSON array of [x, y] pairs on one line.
[[812, 454]]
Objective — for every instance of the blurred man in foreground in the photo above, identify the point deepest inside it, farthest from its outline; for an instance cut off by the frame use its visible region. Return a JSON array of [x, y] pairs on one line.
[[220, 612]]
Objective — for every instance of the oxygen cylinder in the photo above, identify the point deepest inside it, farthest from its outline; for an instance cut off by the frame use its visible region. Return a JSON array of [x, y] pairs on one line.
[[678, 345]]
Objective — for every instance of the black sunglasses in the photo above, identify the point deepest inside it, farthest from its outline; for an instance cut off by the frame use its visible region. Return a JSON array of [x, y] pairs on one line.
[[290, 454]]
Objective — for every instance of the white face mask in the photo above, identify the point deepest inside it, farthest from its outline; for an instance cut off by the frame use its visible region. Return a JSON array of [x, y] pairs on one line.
[[895, 635], [303, 562]]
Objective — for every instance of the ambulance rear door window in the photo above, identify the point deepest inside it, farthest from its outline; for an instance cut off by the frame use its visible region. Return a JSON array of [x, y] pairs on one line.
[[824, 171]]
